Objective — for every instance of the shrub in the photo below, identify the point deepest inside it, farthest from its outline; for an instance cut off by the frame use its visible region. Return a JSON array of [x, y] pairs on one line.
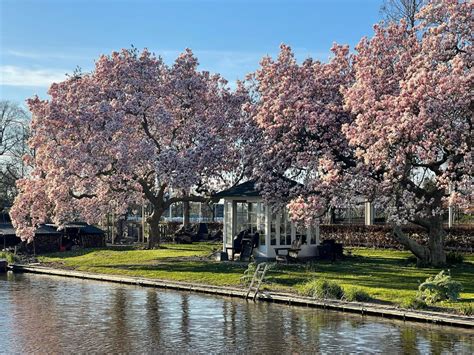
[[323, 289], [356, 294], [414, 303], [8, 256], [439, 288], [467, 309], [454, 258]]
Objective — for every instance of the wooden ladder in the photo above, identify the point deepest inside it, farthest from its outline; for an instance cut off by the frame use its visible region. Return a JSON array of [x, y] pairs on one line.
[[258, 277]]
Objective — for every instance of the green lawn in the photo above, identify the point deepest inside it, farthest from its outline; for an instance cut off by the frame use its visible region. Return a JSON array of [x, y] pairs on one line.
[[388, 276]]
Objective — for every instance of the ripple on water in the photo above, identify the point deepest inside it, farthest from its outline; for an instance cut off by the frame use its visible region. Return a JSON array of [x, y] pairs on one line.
[[42, 314]]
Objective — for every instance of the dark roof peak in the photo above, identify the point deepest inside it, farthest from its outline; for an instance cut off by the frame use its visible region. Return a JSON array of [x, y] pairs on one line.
[[245, 189]]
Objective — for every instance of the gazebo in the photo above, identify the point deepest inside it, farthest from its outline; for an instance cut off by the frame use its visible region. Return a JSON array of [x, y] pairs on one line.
[[244, 209]]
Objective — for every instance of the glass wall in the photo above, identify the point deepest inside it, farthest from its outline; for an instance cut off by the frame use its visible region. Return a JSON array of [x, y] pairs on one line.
[[273, 229], [353, 214], [301, 231], [219, 212], [314, 230], [241, 214], [251, 217], [285, 228], [195, 211], [198, 212], [177, 211]]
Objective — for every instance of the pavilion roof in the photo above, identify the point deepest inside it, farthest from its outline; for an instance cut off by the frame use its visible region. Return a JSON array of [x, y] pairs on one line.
[[246, 189]]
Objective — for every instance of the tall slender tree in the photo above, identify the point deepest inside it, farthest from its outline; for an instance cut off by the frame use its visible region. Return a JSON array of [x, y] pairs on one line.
[[14, 133]]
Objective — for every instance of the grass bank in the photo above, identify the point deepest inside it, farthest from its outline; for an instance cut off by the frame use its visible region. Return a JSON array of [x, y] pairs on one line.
[[387, 276]]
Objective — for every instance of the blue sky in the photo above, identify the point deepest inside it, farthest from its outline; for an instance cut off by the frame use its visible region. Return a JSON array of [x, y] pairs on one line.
[[41, 40]]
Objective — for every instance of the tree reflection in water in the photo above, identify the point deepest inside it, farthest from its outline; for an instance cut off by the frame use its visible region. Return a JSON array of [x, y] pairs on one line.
[[52, 314], [152, 325]]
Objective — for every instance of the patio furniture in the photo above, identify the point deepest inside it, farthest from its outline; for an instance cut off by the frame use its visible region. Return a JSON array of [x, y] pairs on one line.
[[249, 242], [237, 244], [243, 244], [282, 257], [202, 231], [294, 250], [291, 254], [232, 253], [330, 250]]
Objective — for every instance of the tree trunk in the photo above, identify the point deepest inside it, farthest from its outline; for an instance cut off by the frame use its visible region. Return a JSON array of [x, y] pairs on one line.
[[433, 254], [154, 239], [212, 207], [420, 251], [186, 214], [332, 215], [119, 224], [436, 236]]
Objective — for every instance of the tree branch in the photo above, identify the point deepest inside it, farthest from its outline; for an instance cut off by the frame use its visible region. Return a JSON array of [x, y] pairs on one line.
[[417, 249], [81, 196], [146, 128], [189, 198]]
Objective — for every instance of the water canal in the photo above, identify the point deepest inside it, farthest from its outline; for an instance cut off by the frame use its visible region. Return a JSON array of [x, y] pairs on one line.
[[47, 314]]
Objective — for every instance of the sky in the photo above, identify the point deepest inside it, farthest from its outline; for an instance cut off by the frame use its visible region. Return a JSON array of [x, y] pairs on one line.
[[42, 40]]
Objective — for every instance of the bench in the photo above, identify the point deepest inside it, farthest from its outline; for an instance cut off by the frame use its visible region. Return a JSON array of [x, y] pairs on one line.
[[291, 252], [282, 257]]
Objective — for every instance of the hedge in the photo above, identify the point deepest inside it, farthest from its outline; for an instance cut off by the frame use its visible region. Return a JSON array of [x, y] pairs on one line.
[[376, 236], [380, 236]]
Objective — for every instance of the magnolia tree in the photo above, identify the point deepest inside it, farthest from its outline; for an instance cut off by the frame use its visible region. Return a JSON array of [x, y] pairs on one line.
[[391, 124], [303, 155], [133, 130], [412, 99]]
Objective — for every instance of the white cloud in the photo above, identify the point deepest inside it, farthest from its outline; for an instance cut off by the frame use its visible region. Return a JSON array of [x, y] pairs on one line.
[[231, 64], [19, 76], [46, 54]]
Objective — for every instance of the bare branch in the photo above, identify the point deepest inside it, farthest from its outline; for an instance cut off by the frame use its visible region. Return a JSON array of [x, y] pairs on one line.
[[395, 10]]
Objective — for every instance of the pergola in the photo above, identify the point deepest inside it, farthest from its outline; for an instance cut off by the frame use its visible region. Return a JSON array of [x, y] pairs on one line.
[[244, 209]]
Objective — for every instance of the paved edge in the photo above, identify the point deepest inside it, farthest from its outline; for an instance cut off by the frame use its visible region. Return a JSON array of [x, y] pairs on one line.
[[286, 298]]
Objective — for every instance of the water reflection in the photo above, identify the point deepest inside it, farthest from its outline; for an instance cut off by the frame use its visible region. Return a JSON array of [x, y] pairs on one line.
[[51, 314]]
